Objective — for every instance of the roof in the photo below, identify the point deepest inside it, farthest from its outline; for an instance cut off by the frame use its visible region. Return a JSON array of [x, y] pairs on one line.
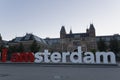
[[62, 30], [108, 37], [52, 39], [28, 37], [92, 27], [115, 35]]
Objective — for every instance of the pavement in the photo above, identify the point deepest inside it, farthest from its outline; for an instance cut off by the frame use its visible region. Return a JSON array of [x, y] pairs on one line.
[[58, 72]]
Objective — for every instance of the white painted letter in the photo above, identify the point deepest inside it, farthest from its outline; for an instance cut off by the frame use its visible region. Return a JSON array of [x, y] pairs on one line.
[[105, 57], [89, 57], [46, 56], [64, 56], [78, 57], [38, 57], [55, 57]]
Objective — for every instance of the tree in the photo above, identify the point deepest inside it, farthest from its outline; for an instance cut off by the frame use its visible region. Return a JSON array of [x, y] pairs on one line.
[[20, 48], [114, 45], [11, 49], [1, 47], [101, 45], [34, 47]]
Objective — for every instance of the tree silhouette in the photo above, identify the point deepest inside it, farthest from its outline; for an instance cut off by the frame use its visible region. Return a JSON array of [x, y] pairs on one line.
[[20, 48], [114, 45], [101, 45], [34, 47]]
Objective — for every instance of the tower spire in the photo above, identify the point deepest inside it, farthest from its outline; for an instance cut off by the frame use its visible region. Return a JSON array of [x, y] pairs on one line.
[[62, 32], [92, 30], [0, 37], [70, 31]]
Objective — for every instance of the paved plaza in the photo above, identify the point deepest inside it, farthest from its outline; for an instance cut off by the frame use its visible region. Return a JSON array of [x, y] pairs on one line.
[[58, 72]]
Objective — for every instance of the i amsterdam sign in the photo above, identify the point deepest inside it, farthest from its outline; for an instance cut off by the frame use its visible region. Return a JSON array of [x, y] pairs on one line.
[[64, 57]]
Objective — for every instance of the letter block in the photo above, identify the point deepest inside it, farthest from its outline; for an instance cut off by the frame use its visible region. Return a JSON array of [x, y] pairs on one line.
[[4, 54]]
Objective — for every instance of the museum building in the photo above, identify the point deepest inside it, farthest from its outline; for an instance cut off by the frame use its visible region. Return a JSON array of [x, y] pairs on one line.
[[65, 42], [70, 41]]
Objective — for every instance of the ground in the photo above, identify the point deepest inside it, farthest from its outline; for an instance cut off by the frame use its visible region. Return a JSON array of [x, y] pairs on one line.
[[58, 72]]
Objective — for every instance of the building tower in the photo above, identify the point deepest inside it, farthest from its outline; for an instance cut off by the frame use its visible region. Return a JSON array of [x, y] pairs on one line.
[[1, 42], [62, 32], [70, 31], [91, 31], [0, 37]]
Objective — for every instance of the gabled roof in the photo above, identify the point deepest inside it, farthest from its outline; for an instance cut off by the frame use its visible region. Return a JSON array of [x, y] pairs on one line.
[[17, 39], [28, 37], [38, 39]]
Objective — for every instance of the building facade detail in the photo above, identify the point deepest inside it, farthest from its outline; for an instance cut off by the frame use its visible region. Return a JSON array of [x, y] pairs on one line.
[[70, 41]]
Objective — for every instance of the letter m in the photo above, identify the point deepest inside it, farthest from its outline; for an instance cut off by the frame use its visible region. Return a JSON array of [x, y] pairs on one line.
[[105, 56]]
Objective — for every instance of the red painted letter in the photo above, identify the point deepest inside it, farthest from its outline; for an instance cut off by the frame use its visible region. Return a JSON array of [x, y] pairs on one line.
[[15, 57], [4, 54]]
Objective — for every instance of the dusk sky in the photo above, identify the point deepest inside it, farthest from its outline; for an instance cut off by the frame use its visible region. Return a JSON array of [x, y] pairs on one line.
[[44, 18]]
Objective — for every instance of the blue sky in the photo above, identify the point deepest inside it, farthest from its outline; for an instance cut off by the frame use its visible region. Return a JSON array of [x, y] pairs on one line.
[[44, 18]]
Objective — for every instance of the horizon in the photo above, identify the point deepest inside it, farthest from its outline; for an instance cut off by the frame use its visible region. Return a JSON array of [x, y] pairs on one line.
[[45, 18]]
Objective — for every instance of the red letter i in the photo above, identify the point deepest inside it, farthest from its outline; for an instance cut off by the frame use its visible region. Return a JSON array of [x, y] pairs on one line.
[[4, 54]]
